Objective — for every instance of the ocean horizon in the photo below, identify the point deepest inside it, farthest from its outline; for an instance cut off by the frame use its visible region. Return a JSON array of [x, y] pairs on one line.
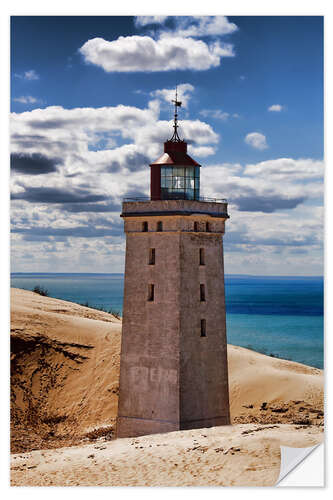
[[281, 316]]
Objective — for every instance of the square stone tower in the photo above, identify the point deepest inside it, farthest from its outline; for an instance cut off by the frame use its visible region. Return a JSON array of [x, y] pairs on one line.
[[173, 365]]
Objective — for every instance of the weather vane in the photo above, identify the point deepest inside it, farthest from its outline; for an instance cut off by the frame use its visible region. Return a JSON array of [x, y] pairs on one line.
[[175, 137]]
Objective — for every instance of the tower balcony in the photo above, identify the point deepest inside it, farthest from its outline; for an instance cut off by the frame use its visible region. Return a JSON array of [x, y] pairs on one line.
[[138, 207]]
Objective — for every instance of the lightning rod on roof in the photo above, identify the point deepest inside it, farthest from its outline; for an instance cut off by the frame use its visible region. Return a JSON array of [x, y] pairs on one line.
[[175, 137]]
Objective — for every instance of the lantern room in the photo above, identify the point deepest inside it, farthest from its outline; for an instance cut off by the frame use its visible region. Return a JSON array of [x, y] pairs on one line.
[[175, 175]]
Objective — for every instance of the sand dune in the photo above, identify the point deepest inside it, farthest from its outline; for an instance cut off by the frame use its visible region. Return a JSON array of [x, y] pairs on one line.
[[64, 392], [241, 455], [65, 370], [293, 392]]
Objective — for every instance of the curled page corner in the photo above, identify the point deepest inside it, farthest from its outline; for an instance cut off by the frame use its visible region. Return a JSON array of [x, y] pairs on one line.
[[292, 457]]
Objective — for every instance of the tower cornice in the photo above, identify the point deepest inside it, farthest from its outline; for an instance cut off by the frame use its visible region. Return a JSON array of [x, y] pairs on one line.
[[151, 208]]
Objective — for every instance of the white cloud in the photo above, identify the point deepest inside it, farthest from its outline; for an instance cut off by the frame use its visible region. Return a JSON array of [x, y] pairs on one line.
[[192, 26], [144, 20], [256, 140], [288, 169], [198, 132], [164, 48], [288, 243], [201, 151], [275, 205], [131, 139], [276, 107], [204, 26], [26, 99], [267, 187], [143, 53], [215, 113], [31, 75], [28, 75], [184, 91]]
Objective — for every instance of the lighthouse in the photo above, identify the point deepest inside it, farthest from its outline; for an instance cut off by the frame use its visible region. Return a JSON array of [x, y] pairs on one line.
[[173, 363]]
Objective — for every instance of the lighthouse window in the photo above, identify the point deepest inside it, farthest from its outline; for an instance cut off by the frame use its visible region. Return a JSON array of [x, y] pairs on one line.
[[202, 256], [180, 183], [151, 292], [151, 256], [190, 182], [203, 328], [202, 293], [159, 226], [145, 227]]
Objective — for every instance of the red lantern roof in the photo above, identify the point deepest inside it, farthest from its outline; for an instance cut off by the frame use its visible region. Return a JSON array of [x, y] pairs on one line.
[[175, 153]]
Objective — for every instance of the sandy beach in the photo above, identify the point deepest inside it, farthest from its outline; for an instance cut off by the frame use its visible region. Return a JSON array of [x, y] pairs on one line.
[[64, 393]]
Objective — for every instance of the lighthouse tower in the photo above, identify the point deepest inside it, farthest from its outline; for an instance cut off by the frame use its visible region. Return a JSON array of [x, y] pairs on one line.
[[173, 364]]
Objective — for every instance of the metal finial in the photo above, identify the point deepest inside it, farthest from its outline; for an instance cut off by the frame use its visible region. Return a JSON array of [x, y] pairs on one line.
[[175, 137]]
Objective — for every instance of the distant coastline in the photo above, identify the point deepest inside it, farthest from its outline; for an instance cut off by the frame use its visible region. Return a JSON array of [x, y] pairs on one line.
[[122, 274], [278, 316]]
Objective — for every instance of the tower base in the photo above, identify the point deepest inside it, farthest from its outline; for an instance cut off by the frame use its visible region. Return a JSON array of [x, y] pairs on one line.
[[134, 427]]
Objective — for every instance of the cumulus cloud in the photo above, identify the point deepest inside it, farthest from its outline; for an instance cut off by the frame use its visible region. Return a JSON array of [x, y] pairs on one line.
[[28, 75], [84, 231], [304, 169], [198, 133], [256, 140], [144, 20], [90, 181], [262, 187], [275, 107], [77, 135], [26, 99], [55, 130], [170, 44], [112, 206], [192, 26], [201, 151], [215, 113], [184, 93], [204, 26], [125, 157], [143, 53], [273, 204], [56, 195], [34, 163], [31, 75], [266, 203]]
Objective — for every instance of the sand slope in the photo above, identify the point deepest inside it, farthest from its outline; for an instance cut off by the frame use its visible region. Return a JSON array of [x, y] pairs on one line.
[[64, 391], [293, 392], [242, 455], [65, 370]]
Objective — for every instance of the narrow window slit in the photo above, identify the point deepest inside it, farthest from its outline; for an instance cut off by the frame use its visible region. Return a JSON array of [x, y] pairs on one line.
[[196, 227], [151, 293], [160, 226], [151, 256], [207, 227], [202, 293], [144, 227], [203, 328], [202, 256]]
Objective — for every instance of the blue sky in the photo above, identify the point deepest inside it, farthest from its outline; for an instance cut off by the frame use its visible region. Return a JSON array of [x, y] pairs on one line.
[[90, 109]]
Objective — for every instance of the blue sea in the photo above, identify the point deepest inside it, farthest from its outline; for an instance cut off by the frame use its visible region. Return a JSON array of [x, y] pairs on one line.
[[278, 316]]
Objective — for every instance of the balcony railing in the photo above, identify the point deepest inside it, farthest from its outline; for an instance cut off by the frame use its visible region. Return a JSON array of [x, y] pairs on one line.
[[147, 198]]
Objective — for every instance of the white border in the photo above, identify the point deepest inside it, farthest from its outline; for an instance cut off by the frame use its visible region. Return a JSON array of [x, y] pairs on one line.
[[130, 7]]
